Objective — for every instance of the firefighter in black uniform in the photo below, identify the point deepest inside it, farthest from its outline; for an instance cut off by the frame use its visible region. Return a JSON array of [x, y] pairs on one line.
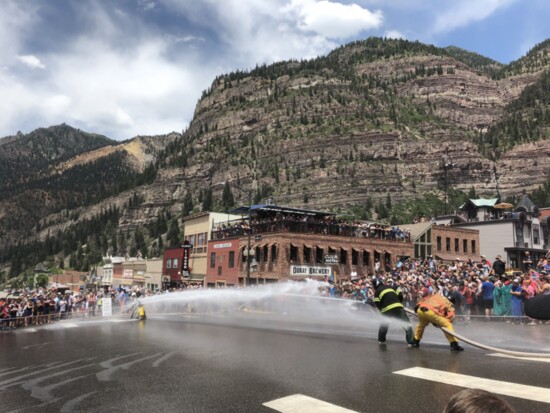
[[390, 305]]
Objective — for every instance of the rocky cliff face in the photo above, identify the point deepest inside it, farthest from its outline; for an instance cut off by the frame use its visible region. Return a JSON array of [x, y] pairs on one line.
[[369, 120]]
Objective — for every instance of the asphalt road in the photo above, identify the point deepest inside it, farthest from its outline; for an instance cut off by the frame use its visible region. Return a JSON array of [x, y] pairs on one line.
[[206, 363]]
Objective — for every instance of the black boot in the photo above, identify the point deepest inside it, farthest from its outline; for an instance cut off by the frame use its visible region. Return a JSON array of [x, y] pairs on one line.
[[456, 347], [415, 343]]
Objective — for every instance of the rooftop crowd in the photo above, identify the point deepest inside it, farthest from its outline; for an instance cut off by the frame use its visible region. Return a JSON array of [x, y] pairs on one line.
[[299, 223], [482, 289]]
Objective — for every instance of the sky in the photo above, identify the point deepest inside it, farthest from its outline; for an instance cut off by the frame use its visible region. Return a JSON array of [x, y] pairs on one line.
[[124, 68]]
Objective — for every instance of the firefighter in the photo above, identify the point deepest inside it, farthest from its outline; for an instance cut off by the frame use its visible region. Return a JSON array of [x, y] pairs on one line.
[[439, 311], [390, 305]]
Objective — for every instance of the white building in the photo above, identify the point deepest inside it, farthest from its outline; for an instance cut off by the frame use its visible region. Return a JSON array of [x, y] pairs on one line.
[[508, 232]]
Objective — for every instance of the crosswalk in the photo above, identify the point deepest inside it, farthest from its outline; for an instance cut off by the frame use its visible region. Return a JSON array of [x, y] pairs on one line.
[[299, 403], [533, 393]]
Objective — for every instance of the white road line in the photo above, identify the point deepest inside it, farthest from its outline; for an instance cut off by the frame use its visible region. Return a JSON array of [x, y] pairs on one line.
[[298, 403], [533, 393], [521, 358]]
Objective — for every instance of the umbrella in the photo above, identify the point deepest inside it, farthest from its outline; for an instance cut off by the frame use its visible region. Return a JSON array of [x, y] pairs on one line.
[[503, 205]]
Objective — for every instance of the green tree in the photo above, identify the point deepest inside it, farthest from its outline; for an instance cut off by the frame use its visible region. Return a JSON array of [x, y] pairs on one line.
[[174, 234], [227, 197], [208, 200]]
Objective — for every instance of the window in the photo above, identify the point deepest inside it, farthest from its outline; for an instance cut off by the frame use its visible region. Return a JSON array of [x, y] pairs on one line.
[[273, 253], [354, 257], [293, 253], [343, 256], [264, 252], [366, 258], [447, 244], [175, 263], [439, 243], [231, 259], [201, 239], [319, 253], [473, 246], [307, 255], [536, 234], [168, 263], [457, 249], [213, 260], [465, 246]]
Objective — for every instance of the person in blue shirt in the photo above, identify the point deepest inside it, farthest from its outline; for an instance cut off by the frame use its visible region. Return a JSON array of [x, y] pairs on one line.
[[487, 288], [517, 300]]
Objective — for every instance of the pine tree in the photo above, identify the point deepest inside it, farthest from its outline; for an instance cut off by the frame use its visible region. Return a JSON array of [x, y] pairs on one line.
[[227, 197]]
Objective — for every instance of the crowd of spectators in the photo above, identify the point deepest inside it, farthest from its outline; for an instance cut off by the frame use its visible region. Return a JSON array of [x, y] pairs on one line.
[[484, 290], [309, 224], [42, 306]]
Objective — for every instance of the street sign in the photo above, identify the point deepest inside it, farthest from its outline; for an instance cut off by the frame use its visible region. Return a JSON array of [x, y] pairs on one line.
[[331, 259]]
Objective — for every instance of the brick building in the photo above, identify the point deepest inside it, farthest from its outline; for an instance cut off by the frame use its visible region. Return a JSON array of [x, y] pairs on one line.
[[292, 244], [446, 243]]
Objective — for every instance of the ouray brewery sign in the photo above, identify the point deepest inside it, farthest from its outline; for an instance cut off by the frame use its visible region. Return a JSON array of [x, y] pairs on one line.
[[308, 271]]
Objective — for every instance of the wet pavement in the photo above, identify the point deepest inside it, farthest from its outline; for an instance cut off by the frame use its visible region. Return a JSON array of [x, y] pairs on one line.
[[198, 363]]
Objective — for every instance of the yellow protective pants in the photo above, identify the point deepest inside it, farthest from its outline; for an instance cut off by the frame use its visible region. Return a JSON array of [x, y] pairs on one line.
[[427, 317]]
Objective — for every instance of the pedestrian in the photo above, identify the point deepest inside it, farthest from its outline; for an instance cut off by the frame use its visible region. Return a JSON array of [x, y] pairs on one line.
[[517, 300], [487, 289], [390, 305], [439, 311]]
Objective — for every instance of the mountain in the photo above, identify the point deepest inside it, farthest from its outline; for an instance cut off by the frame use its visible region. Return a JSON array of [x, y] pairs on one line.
[[368, 124]]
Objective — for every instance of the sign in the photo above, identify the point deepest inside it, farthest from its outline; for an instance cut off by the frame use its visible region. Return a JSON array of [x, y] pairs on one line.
[[308, 271], [185, 273], [185, 258], [226, 245], [331, 259], [128, 274], [106, 307]]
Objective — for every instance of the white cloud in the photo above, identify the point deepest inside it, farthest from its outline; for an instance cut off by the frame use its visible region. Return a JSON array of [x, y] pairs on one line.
[[334, 20], [464, 12], [394, 34], [31, 61]]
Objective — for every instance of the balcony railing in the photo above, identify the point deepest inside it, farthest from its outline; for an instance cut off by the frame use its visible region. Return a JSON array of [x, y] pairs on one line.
[[240, 228]]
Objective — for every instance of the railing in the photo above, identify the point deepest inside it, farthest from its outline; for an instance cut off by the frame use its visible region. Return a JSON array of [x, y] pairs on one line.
[[41, 319], [302, 227]]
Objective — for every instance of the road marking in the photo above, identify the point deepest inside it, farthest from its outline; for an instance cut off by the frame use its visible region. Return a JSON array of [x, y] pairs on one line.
[[533, 393], [547, 360], [298, 403]]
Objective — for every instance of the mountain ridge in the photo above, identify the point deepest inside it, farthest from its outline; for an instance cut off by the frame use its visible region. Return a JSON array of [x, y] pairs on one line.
[[368, 123]]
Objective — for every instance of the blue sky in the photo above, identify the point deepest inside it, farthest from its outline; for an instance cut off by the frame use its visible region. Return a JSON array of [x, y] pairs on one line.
[[137, 67]]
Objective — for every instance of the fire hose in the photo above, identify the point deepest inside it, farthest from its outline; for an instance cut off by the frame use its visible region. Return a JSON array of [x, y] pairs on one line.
[[486, 347]]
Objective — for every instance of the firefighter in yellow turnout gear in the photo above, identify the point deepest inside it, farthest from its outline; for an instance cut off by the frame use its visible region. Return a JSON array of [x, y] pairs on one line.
[[439, 311], [389, 302]]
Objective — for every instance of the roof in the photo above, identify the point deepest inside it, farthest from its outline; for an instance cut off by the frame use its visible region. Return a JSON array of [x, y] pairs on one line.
[[416, 230], [525, 204], [481, 202], [276, 208]]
